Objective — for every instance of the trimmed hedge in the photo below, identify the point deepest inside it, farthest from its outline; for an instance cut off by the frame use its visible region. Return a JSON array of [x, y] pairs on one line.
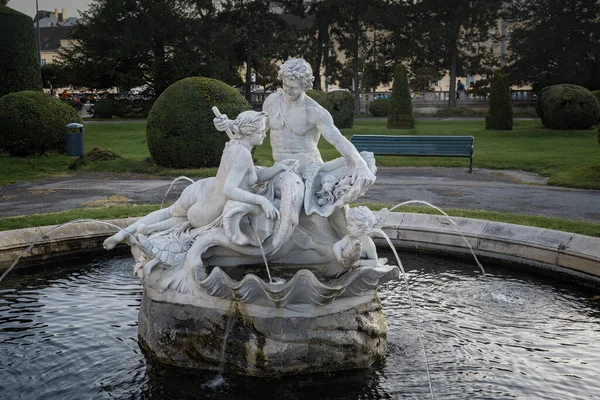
[[34, 123], [104, 108], [18, 53], [567, 107], [180, 130], [500, 115], [401, 112], [340, 105], [380, 107]]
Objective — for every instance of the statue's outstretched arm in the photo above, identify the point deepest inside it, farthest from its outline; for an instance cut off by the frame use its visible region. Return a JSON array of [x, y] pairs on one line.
[[333, 135]]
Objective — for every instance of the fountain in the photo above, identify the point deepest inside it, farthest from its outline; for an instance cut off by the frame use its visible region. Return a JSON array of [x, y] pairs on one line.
[[275, 277], [318, 309]]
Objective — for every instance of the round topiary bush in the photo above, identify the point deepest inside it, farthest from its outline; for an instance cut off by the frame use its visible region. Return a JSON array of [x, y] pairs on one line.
[[379, 107], [340, 105], [19, 61], [180, 130], [401, 112], [34, 123], [567, 107], [500, 114]]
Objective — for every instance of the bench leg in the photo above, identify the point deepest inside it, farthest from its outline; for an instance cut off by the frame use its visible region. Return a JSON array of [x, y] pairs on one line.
[[471, 165]]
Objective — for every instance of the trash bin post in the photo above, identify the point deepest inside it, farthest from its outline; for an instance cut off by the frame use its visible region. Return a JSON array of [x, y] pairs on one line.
[[74, 140]]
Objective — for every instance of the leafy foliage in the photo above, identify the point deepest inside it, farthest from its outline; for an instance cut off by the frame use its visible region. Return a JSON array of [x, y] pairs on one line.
[[449, 37], [18, 53], [316, 95], [34, 123], [500, 115], [104, 108], [555, 42], [379, 107], [567, 107], [180, 131], [340, 105], [401, 112], [53, 76]]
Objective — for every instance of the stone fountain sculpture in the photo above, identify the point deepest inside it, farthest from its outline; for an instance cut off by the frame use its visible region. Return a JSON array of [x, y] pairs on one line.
[[204, 306]]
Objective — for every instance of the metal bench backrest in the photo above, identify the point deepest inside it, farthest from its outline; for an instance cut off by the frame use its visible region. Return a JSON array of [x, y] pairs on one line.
[[444, 146]]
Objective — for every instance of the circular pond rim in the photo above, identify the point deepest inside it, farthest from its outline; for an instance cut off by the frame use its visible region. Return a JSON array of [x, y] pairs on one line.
[[571, 254]]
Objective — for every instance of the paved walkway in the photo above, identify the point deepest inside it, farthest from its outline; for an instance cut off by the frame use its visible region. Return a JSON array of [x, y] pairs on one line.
[[504, 191]]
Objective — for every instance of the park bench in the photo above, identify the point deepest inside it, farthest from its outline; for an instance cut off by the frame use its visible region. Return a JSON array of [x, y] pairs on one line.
[[421, 146]]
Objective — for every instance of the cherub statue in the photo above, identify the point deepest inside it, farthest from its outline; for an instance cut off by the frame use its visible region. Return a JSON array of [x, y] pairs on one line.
[[357, 249]]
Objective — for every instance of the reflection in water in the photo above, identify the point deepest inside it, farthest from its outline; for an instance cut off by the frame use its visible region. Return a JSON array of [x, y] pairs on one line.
[[71, 333]]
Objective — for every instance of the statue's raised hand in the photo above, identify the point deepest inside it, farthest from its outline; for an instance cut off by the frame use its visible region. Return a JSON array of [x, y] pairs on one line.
[[222, 123]]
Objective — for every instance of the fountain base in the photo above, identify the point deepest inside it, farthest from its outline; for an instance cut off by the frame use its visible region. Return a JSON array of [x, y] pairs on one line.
[[264, 341]]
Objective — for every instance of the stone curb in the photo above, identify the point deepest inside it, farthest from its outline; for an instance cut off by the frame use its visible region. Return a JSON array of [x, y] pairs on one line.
[[563, 252]]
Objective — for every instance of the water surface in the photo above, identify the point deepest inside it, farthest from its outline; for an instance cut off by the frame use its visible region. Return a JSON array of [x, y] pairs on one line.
[[71, 333]]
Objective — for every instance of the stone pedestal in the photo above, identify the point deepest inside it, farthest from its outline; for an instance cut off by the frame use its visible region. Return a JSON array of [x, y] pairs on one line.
[[248, 342]]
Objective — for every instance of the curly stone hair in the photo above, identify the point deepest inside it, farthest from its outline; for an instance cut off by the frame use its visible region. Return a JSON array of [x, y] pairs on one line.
[[297, 68]]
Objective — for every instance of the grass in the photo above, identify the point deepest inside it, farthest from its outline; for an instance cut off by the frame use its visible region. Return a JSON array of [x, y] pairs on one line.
[[112, 212], [568, 158]]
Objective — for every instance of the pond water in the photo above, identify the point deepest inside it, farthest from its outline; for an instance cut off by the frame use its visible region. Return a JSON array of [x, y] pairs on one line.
[[71, 333]]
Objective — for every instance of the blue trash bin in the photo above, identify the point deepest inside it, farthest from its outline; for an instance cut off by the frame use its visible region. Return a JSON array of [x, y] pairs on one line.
[[74, 139]]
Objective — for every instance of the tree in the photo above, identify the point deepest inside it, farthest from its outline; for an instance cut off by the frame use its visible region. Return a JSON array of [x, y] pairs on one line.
[[401, 113], [150, 43], [19, 62], [260, 35], [451, 36], [354, 18], [554, 42], [53, 76], [500, 114]]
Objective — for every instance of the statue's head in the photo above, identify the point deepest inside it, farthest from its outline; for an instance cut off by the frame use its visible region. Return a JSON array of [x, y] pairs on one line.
[[298, 70], [361, 221], [248, 123]]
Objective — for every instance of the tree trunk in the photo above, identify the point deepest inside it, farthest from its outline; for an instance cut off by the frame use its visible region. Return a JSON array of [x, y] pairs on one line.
[[356, 76], [247, 88], [318, 60], [453, 56], [159, 81]]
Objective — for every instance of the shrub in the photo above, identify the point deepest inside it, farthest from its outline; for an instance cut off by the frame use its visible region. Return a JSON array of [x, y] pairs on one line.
[[401, 112], [316, 95], [500, 115], [340, 105], [567, 107], [379, 107], [104, 108], [451, 112], [34, 123], [180, 130], [133, 105], [596, 94], [18, 53]]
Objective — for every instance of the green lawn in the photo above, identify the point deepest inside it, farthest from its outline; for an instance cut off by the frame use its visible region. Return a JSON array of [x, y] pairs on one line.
[[568, 158]]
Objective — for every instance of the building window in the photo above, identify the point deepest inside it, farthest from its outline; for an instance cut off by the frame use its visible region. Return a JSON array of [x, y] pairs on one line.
[[43, 61]]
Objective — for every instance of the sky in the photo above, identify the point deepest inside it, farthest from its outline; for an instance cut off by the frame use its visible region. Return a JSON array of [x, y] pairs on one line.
[[28, 6]]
